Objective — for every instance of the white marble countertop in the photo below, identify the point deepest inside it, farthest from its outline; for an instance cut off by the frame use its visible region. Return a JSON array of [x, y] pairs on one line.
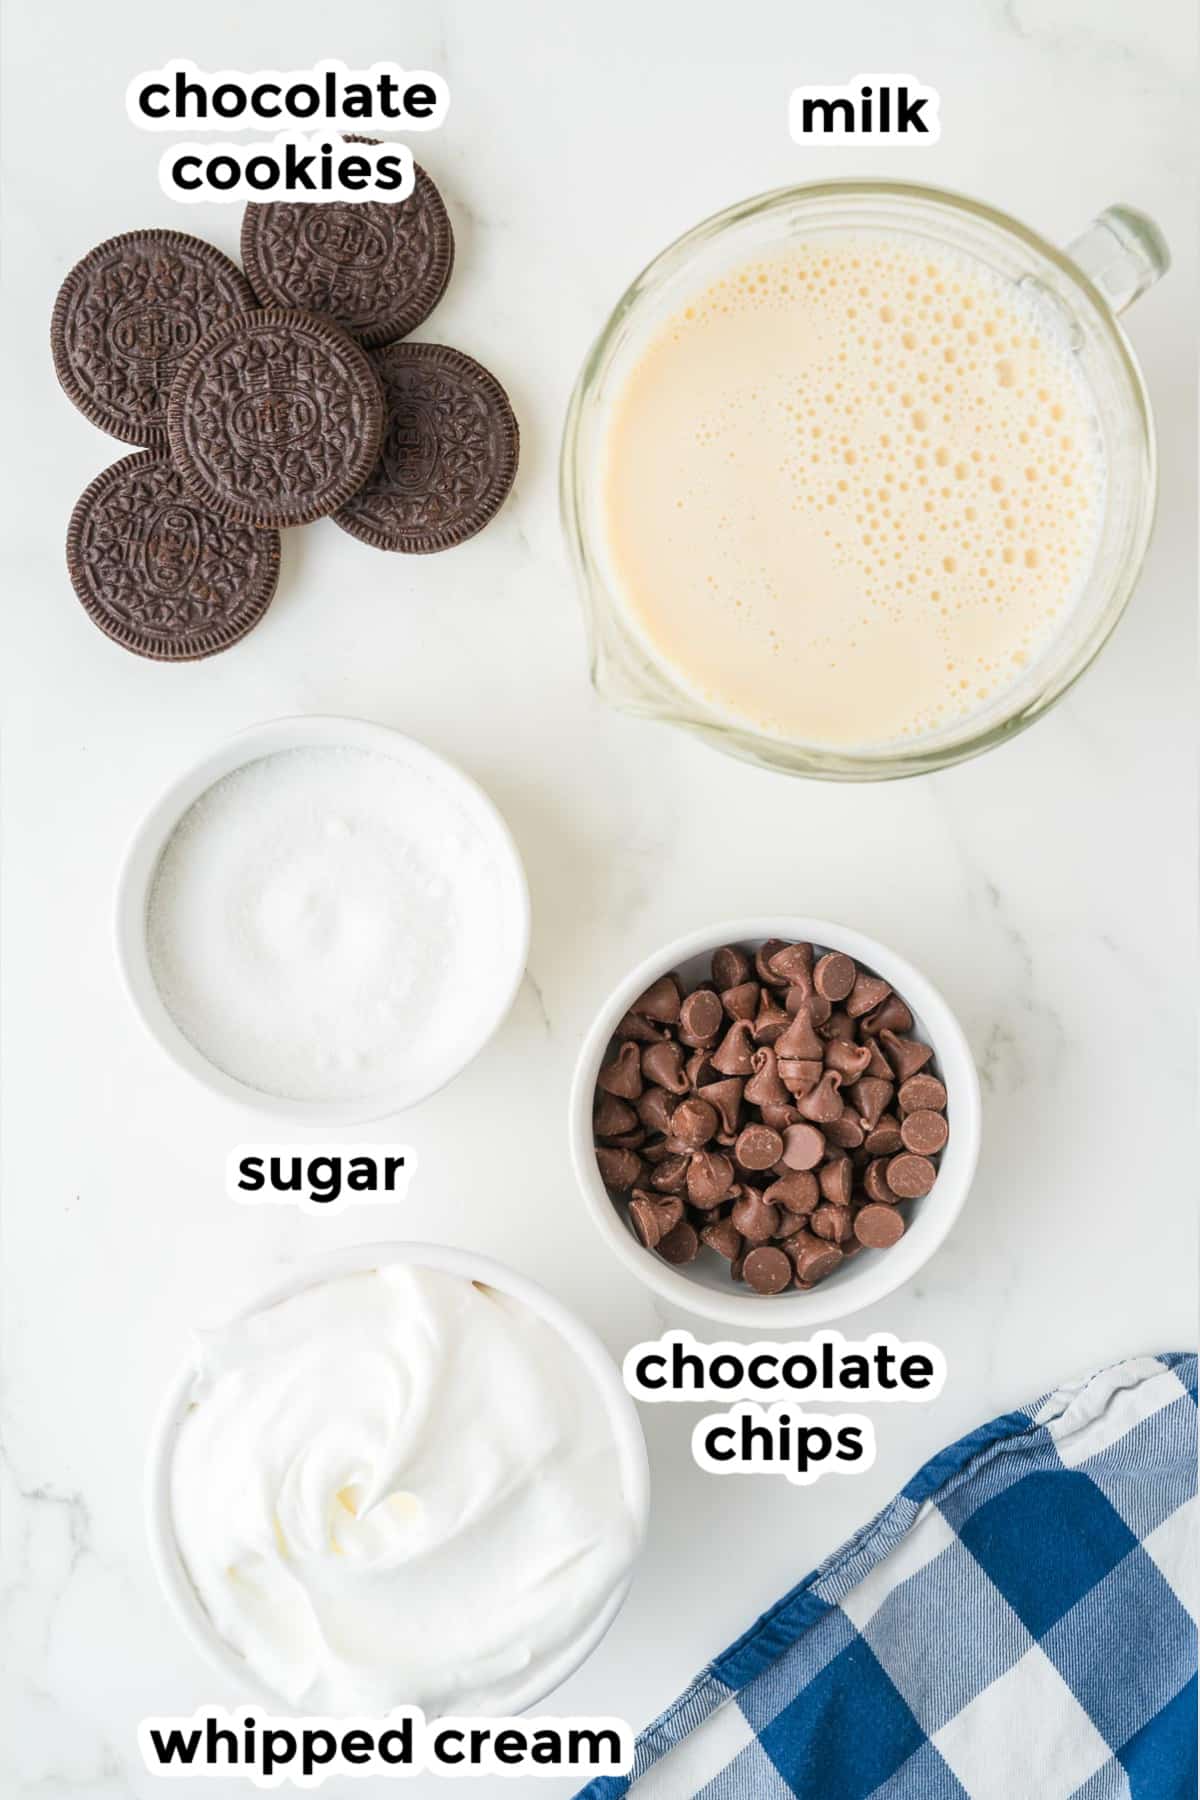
[[1048, 889]]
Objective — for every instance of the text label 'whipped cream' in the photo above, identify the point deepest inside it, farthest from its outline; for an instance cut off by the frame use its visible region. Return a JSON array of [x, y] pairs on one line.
[[269, 1751]]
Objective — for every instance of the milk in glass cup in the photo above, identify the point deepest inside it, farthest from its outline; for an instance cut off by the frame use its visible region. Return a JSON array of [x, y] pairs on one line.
[[859, 476]]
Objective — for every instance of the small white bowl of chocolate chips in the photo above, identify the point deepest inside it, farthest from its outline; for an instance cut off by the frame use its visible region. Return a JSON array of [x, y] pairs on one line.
[[775, 1121]]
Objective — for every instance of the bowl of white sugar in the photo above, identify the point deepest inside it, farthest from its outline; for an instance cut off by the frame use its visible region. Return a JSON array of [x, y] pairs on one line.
[[323, 919]]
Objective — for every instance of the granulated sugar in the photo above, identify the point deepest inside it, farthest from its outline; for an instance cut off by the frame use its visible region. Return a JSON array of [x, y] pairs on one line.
[[323, 926]]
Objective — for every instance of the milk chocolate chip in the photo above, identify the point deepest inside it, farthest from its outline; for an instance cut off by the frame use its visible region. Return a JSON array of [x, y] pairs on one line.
[[619, 1169], [925, 1132], [634, 1029], [734, 1055], [709, 1179], [660, 1001], [884, 1139], [812, 1258], [730, 967], [681, 1245], [836, 1180], [758, 1147], [823, 1103], [613, 1117], [726, 1096], [850, 1060], [798, 1191], [803, 1146], [623, 1075], [722, 1236], [910, 1176], [764, 1087], [922, 1093], [762, 963], [890, 1015], [771, 1020], [741, 1002], [754, 1218], [871, 1098], [700, 1017], [800, 1039], [868, 991], [878, 1227], [845, 1133], [833, 1223], [663, 1065], [875, 1182], [766, 1270], [655, 1107], [798, 1074], [653, 1218], [670, 1173], [794, 964], [906, 1055], [693, 1122], [835, 975]]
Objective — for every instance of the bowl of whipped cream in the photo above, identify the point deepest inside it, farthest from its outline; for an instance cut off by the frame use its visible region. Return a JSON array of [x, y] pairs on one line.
[[402, 1476]]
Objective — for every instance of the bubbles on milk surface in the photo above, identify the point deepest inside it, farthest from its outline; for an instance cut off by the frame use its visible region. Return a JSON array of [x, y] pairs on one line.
[[870, 455]]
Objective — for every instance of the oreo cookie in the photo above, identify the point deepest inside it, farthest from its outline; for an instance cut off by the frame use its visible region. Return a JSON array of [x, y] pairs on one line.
[[449, 456], [375, 267], [125, 318], [160, 574], [275, 418]]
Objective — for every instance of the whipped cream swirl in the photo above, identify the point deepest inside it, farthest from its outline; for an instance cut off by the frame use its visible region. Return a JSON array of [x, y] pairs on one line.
[[400, 1486]]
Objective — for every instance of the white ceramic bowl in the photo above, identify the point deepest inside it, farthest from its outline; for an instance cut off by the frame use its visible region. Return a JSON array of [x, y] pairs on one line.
[[704, 1286], [141, 863], [622, 1414]]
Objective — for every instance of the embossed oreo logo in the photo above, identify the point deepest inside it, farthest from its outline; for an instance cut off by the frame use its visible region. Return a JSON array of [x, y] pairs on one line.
[[412, 447], [171, 548], [344, 236], [148, 333], [273, 419]]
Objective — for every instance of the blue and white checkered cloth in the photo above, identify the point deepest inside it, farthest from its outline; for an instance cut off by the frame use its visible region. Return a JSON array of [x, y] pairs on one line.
[[1019, 1624]]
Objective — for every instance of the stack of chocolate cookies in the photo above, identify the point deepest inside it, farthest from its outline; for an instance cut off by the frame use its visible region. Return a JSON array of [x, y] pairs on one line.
[[265, 399]]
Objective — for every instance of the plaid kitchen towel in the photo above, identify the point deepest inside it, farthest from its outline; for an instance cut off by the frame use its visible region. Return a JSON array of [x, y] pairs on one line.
[[1019, 1624]]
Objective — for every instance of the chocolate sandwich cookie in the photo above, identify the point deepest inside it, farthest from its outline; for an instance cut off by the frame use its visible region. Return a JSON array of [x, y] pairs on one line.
[[449, 457], [275, 418], [125, 318], [160, 574], [377, 267]]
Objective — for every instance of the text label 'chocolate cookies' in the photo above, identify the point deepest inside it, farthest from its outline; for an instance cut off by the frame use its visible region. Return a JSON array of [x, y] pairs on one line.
[[780, 1114], [275, 418], [159, 573]]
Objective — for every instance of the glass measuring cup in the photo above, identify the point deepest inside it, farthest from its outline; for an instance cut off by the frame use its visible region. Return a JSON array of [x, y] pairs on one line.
[[1078, 292]]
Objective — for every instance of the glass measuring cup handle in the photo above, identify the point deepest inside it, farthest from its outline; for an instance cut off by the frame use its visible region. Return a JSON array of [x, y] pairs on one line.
[[1122, 253]]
